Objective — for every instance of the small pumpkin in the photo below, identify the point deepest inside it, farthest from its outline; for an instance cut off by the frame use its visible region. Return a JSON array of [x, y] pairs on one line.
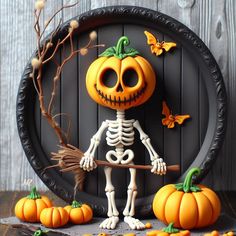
[[213, 233], [120, 78], [168, 231], [54, 217], [230, 233], [79, 213], [189, 206], [29, 208], [148, 225]]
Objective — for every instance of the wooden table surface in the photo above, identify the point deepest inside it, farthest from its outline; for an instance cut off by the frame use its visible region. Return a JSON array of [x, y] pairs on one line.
[[8, 200]]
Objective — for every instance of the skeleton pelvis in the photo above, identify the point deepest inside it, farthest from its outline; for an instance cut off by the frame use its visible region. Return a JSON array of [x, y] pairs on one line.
[[118, 158]]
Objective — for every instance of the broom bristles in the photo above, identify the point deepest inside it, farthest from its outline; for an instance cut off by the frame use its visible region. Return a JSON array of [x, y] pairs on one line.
[[68, 158]]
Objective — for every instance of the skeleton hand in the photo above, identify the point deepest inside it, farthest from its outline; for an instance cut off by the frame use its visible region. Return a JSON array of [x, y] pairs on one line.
[[87, 162], [159, 167]]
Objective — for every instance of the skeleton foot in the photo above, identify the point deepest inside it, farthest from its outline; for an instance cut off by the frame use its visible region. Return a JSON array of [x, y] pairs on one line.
[[134, 223], [109, 223]]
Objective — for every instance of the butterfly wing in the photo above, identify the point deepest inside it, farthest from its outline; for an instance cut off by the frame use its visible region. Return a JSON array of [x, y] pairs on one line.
[[151, 40], [181, 118], [156, 50], [171, 125], [168, 45], [166, 112], [165, 109]]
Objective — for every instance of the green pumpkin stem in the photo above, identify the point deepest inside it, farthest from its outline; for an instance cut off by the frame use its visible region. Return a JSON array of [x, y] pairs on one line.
[[188, 186], [119, 50], [170, 229], [76, 204], [39, 232], [122, 42], [34, 194]]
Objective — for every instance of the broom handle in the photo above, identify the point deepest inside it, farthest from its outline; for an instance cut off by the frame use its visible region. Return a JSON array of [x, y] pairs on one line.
[[174, 168]]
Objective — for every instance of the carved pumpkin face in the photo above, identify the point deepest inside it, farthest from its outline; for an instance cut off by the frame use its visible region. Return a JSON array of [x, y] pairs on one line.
[[120, 79]]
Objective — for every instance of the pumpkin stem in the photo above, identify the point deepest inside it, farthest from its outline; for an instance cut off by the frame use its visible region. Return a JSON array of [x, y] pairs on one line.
[[123, 41], [188, 181], [170, 229], [76, 204], [39, 232], [188, 186], [119, 51], [34, 194]]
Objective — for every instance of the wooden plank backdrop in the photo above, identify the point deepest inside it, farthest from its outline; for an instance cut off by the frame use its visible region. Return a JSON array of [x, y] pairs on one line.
[[213, 21]]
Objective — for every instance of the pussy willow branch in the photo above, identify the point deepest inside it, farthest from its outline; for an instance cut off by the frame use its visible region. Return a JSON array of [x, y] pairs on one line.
[[43, 58]]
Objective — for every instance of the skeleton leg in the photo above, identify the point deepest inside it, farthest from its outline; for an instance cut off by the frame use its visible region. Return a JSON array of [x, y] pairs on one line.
[[129, 210], [112, 220]]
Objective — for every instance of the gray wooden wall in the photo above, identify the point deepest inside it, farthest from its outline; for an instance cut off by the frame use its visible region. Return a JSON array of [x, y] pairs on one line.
[[213, 20]]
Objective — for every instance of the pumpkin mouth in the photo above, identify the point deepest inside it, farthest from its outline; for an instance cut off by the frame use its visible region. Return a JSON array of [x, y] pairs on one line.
[[117, 99]]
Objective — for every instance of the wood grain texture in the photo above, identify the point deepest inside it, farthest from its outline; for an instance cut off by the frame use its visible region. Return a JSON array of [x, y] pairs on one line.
[[213, 21]]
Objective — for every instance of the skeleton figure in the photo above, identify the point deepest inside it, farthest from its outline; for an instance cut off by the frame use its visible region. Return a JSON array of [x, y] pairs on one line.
[[132, 84]]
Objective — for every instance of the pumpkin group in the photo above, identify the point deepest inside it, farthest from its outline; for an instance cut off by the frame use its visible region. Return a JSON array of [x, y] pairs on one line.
[[79, 213], [120, 78], [189, 206], [29, 208], [54, 217]]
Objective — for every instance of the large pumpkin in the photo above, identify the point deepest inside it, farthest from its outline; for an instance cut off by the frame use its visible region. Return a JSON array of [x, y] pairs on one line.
[[29, 208], [189, 206], [120, 78], [79, 213]]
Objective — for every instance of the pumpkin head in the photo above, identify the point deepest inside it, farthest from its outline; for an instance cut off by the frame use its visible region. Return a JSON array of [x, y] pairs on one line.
[[54, 217], [189, 206], [29, 208], [120, 78], [79, 213], [168, 231]]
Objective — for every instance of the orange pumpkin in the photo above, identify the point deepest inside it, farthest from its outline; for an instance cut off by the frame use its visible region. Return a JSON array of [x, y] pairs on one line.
[[54, 217], [79, 213], [189, 206], [120, 78], [29, 208], [168, 231], [213, 233]]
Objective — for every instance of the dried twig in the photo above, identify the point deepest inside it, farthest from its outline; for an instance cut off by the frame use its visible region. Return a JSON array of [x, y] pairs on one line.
[[46, 52]]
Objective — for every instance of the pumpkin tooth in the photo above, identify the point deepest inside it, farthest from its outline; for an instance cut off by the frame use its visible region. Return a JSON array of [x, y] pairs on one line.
[[130, 99]]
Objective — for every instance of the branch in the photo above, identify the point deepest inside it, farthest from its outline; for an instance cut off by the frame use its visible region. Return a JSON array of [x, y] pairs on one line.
[[54, 15], [39, 62]]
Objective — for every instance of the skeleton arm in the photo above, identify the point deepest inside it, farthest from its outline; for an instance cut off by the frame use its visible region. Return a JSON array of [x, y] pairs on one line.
[[87, 161], [159, 167]]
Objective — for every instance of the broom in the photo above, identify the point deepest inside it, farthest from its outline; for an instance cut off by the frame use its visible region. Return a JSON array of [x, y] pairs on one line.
[[69, 157]]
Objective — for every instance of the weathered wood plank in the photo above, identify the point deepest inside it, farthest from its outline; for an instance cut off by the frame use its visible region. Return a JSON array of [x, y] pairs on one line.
[[17, 44], [87, 111], [104, 3], [229, 62]]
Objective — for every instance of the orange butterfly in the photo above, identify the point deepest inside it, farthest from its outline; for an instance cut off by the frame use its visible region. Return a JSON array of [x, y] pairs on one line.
[[156, 46], [170, 119]]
